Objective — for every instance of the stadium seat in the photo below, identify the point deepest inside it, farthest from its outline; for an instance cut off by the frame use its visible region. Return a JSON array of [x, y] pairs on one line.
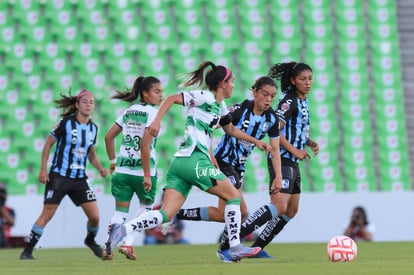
[[222, 23], [185, 58], [159, 23]]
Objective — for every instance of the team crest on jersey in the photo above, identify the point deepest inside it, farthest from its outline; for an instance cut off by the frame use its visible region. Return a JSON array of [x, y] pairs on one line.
[[266, 126], [285, 106]]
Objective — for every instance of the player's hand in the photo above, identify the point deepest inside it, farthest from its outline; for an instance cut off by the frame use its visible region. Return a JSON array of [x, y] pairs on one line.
[[315, 148], [43, 176], [276, 186], [103, 172], [112, 168], [154, 128], [147, 183], [264, 146], [302, 154]]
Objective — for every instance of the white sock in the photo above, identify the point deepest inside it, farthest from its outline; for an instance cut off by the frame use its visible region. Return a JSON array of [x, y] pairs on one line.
[[119, 217], [232, 217], [145, 221], [130, 238]]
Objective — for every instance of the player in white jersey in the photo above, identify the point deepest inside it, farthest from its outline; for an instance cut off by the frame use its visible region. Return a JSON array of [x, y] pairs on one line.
[[192, 165], [134, 168]]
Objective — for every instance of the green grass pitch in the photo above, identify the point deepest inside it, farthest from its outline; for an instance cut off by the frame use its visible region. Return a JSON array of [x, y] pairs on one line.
[[291, 258]]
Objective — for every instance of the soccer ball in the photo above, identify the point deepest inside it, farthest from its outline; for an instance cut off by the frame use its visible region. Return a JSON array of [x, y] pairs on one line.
[[341, 249]]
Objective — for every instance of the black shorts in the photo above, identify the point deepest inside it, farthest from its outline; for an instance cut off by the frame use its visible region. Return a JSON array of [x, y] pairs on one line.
[[235, 176], [291, 181], [58, 187]]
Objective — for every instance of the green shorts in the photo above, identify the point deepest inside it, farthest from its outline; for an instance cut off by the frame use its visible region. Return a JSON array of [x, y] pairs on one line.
[[124, 186], [195, 170]]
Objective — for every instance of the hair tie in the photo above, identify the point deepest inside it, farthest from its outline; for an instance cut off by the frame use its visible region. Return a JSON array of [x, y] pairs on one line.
[[228, 73], [82, 93]]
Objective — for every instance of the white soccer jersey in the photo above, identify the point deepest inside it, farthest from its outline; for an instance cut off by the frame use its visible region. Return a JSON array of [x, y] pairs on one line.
[[202, 117], [133, 122]]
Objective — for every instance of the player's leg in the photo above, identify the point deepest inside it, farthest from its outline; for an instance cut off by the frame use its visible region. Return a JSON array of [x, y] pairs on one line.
[[36, 232], [288, 200], [172, 202], [126, 246], [281, 200], [92, 212], [212, 213], [55, 190], [232, 216]]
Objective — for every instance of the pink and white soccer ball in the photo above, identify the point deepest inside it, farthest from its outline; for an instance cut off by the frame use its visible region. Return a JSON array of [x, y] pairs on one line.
[[341, 249]]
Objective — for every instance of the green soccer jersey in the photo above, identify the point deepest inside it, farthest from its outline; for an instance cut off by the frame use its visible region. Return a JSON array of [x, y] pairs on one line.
[[133, 122], [202, 117]]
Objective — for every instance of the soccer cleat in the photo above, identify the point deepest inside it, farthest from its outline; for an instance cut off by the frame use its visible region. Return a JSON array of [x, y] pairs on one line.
[[106, 256], [224, 256], [115, 236], [26, 255], [241, 252], [263, 255], [128, 251], [97, 250]]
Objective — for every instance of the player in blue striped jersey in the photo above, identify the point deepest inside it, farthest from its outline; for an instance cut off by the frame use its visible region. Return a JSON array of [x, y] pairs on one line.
[[296, 83], [75, 138]]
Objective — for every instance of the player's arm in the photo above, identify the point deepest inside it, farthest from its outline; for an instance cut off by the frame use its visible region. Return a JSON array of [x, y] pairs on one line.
[[145, 158], [231, 130], [277, 166], [313, 145], [43, 174], [113, 132], [93, 158], [300, 154], [154, 128]]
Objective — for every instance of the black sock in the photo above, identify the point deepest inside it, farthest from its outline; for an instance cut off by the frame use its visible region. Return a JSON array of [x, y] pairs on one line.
[[33, 239], [272, 228], [255, 220], [191, 214], [90, 237]]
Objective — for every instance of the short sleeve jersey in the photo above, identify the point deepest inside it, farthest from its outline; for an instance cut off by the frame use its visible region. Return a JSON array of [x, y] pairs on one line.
[[133, 122], [294, 113], [202, 117], [235, 151], [73, 142]]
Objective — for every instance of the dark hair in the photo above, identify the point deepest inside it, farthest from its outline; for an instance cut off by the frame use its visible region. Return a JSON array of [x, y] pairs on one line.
[[214, 76], [141, 84], [285, 71], [361, 211], [261, 81], [68, 102]]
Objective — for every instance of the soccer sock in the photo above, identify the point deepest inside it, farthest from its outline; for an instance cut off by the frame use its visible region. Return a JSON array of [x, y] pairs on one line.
[[254, 221], [194, 214], [258, 218], [119, 217], [146, 221], [224, 242], [232, 218], [92, 231], [130, 238], [272, 228], [35, 235]]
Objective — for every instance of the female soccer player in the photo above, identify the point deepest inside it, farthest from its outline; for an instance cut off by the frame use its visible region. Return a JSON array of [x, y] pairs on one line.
[[256, 118], [135, 166], [293, 113], [75, 138], [192, 165]]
